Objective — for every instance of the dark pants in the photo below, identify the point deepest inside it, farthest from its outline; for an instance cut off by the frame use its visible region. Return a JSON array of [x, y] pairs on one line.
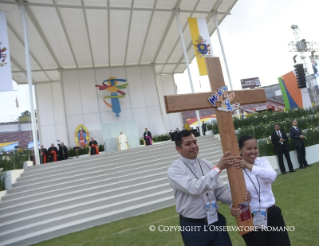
[[301, 153], [280, 155], [205, 235], [269, 238]]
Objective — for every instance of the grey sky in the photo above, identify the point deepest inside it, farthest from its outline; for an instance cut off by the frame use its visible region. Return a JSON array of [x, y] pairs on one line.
[[256, 37]]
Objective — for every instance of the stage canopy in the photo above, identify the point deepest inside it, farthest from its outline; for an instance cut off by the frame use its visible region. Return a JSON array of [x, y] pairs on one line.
[[73, 34]]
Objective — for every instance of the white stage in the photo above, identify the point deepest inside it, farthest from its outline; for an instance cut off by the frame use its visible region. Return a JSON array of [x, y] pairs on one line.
[[62, 106]]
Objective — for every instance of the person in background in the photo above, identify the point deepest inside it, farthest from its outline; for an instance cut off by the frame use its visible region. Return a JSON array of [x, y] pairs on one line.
[[93, 147], [297, 136], [171, 134], [122, 141], [204, 127], [65, 151], [53, 153], [43, 155], [147, 137], [194, 131], [279, 140]]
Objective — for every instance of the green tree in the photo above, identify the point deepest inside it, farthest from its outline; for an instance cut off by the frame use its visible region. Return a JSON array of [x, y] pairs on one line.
[[26, 116]]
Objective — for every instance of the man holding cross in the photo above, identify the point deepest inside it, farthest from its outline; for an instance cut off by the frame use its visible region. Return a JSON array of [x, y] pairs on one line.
[[225, 101], [197, 187]]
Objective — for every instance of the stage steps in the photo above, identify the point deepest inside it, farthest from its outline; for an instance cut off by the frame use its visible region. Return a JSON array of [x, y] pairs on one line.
[[58, 198]]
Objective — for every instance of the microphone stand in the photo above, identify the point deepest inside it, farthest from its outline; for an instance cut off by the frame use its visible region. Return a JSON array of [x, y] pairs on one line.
[[104, 145]]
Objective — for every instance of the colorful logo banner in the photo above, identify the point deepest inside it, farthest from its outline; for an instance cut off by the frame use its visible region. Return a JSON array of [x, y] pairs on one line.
[[114, 88], [5, 64], [201, 42]]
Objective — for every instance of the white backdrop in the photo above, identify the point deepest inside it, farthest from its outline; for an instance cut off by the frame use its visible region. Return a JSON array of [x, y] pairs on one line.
[[62, 106], [111, 131]]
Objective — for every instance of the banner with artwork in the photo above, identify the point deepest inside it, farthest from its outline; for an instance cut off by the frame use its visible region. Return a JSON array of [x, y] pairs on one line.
[[82, 136], [5, 64], [201, 42], [293, 96]]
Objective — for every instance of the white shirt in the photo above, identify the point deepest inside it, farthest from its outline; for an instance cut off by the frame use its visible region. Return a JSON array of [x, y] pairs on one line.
[[280, 136], [266, 175], [190, 192]]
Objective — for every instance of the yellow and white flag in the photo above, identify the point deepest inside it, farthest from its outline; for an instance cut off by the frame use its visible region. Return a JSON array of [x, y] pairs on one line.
[[201, 42], [5, 64]]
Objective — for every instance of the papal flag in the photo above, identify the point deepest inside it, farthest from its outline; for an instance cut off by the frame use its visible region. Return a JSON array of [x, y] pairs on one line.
[[201, 42], [5, 65]]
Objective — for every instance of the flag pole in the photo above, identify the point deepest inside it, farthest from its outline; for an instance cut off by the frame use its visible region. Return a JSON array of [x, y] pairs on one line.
[[222, 48], [27, 58], [187, 65]]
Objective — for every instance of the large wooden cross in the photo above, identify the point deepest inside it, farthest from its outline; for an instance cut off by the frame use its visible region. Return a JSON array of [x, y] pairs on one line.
[[196, 101]]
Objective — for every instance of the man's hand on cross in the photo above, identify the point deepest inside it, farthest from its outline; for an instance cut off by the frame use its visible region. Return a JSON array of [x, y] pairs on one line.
[[226, 161]]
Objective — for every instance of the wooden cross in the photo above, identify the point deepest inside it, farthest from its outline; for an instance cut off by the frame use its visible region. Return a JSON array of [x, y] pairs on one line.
[[189, 102]]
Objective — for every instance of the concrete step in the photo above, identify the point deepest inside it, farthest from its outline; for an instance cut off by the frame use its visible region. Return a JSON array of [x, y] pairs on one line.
[[10, 221], [59, 198], [59, 216], [79, 185], [61, 167], [65, 227], [18, 206], [101, 167]]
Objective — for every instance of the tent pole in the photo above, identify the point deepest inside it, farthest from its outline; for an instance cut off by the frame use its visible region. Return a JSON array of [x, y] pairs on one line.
[[27, 58], [222, 47], [187, 64]]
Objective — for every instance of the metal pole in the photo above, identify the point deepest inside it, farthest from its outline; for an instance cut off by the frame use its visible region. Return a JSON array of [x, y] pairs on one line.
[[187, 65], [222, 47], [27, 58]]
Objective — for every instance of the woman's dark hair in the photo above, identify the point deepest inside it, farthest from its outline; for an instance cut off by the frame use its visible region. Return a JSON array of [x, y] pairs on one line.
[[243, 139]]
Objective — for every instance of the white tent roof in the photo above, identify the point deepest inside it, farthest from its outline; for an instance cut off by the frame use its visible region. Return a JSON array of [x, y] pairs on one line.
[[71, 34]]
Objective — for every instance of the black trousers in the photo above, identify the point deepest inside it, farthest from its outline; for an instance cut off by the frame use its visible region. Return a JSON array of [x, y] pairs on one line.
[[280, 153], [269, 238], [301, 153], [205, 235]]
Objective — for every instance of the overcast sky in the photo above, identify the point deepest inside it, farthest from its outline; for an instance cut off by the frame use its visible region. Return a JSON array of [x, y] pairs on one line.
[[255, 38]]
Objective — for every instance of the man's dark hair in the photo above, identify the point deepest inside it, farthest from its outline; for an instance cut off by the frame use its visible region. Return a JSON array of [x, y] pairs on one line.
[[293, 120], [180, 135], [243, 139], [276, 124]]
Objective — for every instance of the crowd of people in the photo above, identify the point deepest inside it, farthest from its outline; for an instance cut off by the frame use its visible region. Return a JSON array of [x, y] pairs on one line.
[[194, 130], [197, 188], [59, 153], [52, 154]]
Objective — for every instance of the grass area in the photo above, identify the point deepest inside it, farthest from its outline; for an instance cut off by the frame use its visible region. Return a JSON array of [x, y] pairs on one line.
[[296, 194]]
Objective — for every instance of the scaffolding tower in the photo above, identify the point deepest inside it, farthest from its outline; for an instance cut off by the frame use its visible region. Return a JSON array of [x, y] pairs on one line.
[[302, 47]]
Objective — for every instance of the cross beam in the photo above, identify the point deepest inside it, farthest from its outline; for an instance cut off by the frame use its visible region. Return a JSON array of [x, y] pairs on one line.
[[196, 101], [182, 102]]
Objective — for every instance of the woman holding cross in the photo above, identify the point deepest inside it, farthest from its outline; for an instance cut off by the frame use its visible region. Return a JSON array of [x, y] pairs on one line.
[[259, 176]]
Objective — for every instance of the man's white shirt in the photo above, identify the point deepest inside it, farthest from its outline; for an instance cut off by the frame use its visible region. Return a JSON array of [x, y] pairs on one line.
[[190, 192]]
